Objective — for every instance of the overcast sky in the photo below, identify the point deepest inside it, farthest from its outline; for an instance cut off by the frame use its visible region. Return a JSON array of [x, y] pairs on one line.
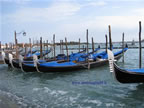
[[70, 18]]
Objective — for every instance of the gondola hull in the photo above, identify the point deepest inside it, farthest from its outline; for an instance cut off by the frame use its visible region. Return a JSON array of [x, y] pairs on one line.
[[103, 62], [31, 68], [124, 76], [16, 63], [59, 69], [79, 66], [7, 62], [28, 68], [76, 67]]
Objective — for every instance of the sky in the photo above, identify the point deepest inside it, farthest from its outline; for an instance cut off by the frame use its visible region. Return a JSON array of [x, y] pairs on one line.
[[70, 18]]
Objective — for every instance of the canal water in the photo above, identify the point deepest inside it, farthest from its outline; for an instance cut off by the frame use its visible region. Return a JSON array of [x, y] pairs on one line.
[[94, 88]]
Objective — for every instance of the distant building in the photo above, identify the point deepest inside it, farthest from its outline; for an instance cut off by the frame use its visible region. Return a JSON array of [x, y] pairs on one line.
[[21, 45]]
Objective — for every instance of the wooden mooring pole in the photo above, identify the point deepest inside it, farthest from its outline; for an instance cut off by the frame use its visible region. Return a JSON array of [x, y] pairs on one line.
[[30, 45], [17, 52], [60, 46], [123, 46], [67, 49], [106, 42], [47, 45], [140, 50], [110, 40], [6, 46], [54, 46], [41, 53], [87, 40], [16, 45], [93, 45], [87, 49], [79, 44], [44, 45], [25, 50], [47, 48]]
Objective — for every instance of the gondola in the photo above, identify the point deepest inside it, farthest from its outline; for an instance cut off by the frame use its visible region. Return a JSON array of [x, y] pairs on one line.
[[125, 75], [54, 66], [15, 63], [29, 66], [71, 66], [5, 58], [8, 59]]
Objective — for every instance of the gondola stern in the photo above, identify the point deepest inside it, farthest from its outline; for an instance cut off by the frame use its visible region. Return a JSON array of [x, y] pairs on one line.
[[20, 62], [111, 60], [35, 60], [11, 59], [3, 56]]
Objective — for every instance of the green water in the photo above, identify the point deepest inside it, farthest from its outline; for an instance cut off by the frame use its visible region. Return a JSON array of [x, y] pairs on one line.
[[68, 90]]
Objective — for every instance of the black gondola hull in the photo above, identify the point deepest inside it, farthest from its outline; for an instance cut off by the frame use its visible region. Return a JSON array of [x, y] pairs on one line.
[[103, 62], [16, 63], [94, 64], [59, 69], [124, 76], [7, 62], [28, 68], [77, 67]]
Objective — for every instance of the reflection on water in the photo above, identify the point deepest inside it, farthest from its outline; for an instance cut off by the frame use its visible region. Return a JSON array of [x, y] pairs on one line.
[[46, 90]]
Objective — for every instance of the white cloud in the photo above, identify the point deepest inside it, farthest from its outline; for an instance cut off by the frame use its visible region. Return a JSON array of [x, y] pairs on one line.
[[123, 0], [102, 22], [95, 3], [55, 12], [98, 27], [65, 19], [19, 2], [139, 11], [116, 7]]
